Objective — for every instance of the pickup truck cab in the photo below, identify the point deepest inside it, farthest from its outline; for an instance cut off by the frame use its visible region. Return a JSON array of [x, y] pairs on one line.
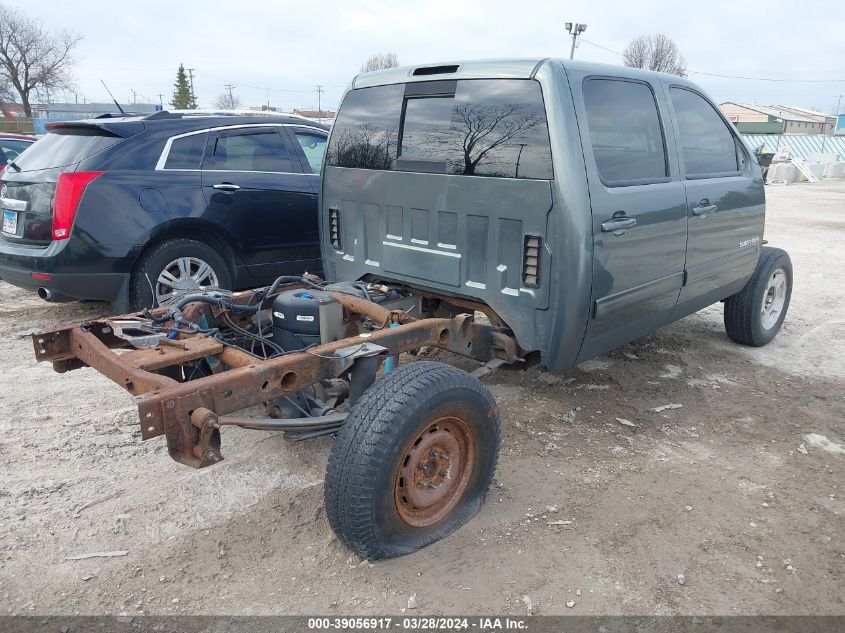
[[585, 205]]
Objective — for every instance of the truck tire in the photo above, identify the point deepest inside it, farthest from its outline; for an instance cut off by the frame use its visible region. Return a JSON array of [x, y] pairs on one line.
[[413, 461], [171, 260], [753, 316]]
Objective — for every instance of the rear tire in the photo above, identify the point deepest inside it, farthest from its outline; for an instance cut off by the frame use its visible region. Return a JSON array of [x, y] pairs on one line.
[[413, 461], [179, 264], [754, 315]]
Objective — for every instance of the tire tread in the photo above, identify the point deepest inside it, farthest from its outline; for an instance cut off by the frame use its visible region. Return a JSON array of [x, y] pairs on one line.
[[367, 438], [741, 309]]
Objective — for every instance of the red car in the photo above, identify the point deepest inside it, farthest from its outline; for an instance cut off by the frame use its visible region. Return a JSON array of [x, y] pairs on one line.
[[11, 145]]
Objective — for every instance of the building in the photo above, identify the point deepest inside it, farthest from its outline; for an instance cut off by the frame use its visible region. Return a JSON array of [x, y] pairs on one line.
[[44, 113], [13, 119], [78, 111], [754, 119], [318, 115], [828, 121]]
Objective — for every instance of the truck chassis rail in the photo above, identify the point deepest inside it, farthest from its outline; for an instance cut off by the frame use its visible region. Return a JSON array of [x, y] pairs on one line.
[[189, 414]]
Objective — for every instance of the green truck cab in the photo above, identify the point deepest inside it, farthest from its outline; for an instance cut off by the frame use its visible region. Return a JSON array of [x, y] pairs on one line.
[[586, 205]]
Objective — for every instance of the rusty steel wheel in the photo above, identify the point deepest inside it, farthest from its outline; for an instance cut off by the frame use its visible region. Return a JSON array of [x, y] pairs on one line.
[[435, 472], [413, 461]]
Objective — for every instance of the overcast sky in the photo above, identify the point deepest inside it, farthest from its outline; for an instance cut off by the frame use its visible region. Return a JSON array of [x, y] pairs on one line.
[[289, 47]]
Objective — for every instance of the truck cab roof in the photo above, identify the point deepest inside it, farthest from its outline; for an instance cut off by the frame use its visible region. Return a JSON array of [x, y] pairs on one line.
[[505, 68]]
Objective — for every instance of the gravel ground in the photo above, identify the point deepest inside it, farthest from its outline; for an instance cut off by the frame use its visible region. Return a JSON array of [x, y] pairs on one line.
[[740, 490]]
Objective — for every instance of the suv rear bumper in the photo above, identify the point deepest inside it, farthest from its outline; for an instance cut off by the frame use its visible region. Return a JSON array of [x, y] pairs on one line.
[[72, 275]]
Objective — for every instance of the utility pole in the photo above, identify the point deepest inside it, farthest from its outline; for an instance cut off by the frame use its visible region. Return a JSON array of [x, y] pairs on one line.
[[575, 29], [320, 101], [161, 99], [231, 97], [518, 157], [191, 75], [134, 96]]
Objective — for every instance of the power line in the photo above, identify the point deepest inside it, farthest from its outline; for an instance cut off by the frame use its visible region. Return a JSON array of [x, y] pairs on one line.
[[807, 81], [609, 50], [701, 72]]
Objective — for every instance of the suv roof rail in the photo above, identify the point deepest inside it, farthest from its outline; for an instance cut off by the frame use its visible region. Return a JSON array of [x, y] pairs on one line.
[[117, 115], [181, 114], [163, 114]]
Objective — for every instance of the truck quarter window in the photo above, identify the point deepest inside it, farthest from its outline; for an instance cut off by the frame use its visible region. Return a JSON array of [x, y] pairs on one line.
[[248, 150], [484, 127], [707, 144], [186, 152], [365, 134], [625, 132]]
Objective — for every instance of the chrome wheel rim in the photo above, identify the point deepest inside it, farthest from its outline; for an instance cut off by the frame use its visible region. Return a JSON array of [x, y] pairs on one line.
[[774, 299], [184, 273]]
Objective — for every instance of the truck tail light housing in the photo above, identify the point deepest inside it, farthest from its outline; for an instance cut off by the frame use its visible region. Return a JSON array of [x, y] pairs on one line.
[[69, 190], [531, 261], [334, 227]]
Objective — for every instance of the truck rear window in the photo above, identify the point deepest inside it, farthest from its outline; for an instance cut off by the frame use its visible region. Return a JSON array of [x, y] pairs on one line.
[[476, 127], [63, 147]]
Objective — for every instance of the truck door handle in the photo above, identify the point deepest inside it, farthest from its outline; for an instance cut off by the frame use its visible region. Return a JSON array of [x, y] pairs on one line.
[[618, 224], [225, 186], [704, 207]]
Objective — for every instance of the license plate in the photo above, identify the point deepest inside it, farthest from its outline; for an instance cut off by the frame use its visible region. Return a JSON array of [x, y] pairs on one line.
[[10, 222]]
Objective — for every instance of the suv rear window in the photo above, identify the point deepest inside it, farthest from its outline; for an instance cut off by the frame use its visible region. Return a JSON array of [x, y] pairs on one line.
[[477, 127], [63, 147]]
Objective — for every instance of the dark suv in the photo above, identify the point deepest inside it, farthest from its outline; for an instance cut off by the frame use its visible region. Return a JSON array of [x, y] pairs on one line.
[[133, 209]]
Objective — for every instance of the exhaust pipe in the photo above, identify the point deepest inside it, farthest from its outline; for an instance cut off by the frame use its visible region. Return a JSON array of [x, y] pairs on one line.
[[53, 297]]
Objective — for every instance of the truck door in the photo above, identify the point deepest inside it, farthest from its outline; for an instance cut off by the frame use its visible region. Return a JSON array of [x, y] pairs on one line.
[[725, 202], [638, 210]]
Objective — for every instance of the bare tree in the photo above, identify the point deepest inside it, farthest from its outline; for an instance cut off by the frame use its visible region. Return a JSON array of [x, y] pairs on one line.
[[33, 61], [363, 147], [655, 52], [485, 128], [380, 61], [228, 101]]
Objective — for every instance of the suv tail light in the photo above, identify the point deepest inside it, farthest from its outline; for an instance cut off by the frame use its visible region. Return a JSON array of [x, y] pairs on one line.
[[531, 261], [69, 190], [334, 227]]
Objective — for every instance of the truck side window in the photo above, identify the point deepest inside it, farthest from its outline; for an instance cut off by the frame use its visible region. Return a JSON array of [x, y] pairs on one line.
[[707, 144], [625, 132]]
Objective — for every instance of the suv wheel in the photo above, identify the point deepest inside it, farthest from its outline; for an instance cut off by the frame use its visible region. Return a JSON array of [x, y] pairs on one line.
[[175, 266]]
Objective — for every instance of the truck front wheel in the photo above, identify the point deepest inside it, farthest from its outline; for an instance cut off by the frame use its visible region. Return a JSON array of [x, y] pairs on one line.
[[753, 316], [413, 461]]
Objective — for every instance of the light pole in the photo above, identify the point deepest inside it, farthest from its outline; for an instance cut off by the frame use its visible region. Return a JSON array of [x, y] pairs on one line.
[[575, 29]]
